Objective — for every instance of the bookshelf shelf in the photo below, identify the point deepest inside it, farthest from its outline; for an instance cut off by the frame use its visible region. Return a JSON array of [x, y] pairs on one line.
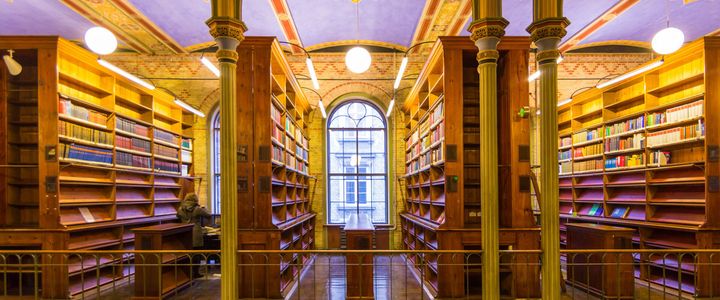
[[663, 118]]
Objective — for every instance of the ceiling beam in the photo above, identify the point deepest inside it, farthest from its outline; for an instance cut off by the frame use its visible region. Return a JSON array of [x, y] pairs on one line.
[[461, 19], [425, 22], [608, 16], [128, 24], [287, 24]]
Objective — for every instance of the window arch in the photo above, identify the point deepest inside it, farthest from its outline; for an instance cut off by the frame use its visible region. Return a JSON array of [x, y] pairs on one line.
[[357, 162], [215, 162]]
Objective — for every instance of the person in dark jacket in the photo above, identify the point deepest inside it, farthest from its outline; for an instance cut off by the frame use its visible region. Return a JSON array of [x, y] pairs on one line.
[[190, 212]]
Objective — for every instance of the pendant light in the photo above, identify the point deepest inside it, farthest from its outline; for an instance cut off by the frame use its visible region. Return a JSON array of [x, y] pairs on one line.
[[668, 40], [358, 59], [100, 40]]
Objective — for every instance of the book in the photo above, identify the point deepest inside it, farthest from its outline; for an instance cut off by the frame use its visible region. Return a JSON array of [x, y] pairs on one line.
[[620, 212]]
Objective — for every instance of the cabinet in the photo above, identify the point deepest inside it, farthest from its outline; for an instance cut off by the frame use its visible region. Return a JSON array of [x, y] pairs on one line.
[[643, 153], [158, 276], [442, 205], [92, 155], [274, 211]]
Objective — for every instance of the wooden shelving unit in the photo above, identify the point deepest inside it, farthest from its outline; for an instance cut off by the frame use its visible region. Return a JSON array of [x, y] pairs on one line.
[[657, 168], [442, 205], [87, 163], [273, 175]]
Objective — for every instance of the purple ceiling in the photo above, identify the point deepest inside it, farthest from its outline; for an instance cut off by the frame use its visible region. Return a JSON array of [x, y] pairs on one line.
[[644, 19], [320, 21], [579, 12], [41, 17], [184, 20]]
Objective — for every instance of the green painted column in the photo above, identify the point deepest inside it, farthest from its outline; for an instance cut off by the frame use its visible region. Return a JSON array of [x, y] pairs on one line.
[[487, 29], [227, 29], [546, 31]]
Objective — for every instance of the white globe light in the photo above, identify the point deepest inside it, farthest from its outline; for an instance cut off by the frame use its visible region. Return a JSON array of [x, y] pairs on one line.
[[100, 40], [358, 60], [668, 40]]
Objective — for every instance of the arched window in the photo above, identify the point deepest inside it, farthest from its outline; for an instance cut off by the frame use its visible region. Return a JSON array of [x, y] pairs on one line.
[[357, 163], [215, 162]]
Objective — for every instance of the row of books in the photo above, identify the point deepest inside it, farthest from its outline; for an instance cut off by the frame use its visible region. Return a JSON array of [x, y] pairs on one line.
[[659, 158], [625, 126], [620, 212], [565, 167], [186, 156], [278, 153], [436, 114], [132, 143], [165, 151], [298, 135], [413, 138], [166, 136], [132, 160], [563, 155], [167, 166], [413, 166], [302, 167], [299, 151], [84, 133], [290, 162], [131, 126], [289, 144], [424, 127], [187, 143], [589, 165], [677, 114], [636, 141], [675, 134], [86, 153], [289, 126], [415, 151], [275, 113], [67, 107], [596, 210], [588, 150], [565, 141], [185, 170], [625, 161], [278, 134], [587, 135], [438, 133]]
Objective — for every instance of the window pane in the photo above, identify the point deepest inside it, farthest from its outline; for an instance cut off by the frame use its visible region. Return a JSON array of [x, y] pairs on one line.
[[338, 208]]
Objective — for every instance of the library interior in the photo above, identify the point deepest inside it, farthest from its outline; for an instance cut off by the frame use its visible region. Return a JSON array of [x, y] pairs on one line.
[[359, 149]]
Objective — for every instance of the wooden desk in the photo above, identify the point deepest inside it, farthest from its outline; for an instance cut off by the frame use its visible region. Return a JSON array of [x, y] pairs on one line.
[[359, 231], [153, 280], [610, 275]]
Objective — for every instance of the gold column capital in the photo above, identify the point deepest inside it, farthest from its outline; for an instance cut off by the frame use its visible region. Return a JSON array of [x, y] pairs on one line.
[[487, 56], [223, 28], [489, 27], [544, 56], [548, 28], [224, 55]]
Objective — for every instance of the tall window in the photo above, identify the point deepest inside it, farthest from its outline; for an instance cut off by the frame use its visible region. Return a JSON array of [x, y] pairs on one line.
[[357, 163], [215, 162]]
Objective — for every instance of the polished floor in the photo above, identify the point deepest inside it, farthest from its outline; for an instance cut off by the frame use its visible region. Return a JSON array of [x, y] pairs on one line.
[[326, 279]]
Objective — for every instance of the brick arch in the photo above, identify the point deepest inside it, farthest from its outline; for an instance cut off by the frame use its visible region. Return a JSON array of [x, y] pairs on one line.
[[358, 87], [209, 101]]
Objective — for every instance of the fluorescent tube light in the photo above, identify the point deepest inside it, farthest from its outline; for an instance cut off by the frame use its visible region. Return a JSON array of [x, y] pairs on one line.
[[125, 74], [322, 109], [534, 76], [631, 73], [403, 65], [311, 70], [390, 108], [563, 102], [189, 108], [208, 64]]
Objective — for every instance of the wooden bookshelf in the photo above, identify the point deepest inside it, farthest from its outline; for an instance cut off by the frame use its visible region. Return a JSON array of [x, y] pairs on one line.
[[442, 205], [86, 170], [657, 172], [158, 276], [272, 134]]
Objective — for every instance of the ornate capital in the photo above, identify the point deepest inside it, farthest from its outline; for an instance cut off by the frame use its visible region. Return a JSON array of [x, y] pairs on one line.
[[483, 28], [548, 28], [487, 56], [547, 55], [227, 28], [226, 55]]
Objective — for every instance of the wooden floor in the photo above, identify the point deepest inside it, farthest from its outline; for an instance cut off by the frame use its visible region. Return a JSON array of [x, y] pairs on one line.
[[325, 279]]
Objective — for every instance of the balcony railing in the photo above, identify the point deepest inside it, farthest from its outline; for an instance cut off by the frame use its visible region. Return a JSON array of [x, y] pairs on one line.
[[328, 274]]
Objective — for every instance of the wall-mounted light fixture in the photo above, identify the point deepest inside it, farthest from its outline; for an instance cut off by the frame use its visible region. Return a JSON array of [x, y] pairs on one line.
[[309, 64], [13, 66], [321, 105]]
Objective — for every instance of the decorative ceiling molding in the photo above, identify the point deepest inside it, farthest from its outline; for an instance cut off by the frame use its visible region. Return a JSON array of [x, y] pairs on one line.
[[602, 20], [425, 21], [320, 46], [444, 19], [461, 19], [287, 24], [630, 43], [201, 46], [128, 24]]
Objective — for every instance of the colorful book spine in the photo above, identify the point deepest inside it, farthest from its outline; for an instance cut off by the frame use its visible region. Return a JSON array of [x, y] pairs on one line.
[[587, 135], [166, 136], [566, 141], [676, 134], [625, 161], [636, 141], [167, 166], [677, 114], [86, 153], [187, 144], [67, 107], [84, 133], [588, 150], [437, 114], [165, 151], [132, 160], [625, 126], [588, 165]]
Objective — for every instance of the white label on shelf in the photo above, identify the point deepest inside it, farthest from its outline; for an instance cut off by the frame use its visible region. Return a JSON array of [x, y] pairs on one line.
[[86, 214]]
